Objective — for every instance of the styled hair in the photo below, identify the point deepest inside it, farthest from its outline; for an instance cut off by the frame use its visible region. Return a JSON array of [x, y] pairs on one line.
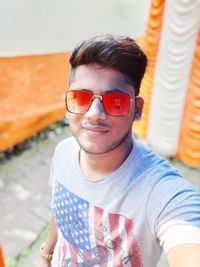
[[120, 53]]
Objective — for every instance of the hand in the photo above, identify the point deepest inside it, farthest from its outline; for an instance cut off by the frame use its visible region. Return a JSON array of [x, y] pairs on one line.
[[44, 263]]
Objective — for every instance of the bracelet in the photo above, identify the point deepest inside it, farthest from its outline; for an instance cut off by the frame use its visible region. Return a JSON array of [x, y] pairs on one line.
[[45, 256]]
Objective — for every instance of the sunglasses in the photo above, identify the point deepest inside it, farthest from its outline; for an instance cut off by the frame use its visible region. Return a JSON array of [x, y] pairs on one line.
[[114, 103]]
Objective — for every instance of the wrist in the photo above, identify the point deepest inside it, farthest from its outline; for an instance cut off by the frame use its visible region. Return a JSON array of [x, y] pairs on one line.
[[47, 256]]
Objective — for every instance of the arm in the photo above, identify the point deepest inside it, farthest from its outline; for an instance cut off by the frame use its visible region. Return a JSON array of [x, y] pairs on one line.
[[49, 243], [184, 256]]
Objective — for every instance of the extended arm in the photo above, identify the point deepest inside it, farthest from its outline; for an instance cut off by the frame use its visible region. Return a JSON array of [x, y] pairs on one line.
[[49, 243], [184, 256]]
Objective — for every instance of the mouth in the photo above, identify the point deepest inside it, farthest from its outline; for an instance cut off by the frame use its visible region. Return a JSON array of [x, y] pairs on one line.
[[96, 129]]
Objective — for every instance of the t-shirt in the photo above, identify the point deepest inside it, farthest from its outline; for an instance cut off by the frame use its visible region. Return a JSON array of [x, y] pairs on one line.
[[124, 219]]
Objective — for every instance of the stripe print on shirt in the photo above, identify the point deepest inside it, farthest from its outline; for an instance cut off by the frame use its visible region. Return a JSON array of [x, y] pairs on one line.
[[92, 236]]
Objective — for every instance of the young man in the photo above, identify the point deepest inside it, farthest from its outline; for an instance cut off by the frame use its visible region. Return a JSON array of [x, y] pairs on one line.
[[115, 202]]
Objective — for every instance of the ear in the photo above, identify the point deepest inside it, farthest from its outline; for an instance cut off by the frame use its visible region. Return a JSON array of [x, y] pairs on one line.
[[139, 102]]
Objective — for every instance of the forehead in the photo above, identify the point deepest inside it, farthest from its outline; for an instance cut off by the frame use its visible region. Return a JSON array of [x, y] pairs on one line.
[[99, 79]]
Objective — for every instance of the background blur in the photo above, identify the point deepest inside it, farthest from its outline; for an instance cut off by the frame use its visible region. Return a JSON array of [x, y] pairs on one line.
[[36, 39], [45, 26]]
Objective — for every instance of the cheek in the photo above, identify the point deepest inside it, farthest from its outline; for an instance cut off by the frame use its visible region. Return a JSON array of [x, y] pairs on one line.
[[124, 124], [128, 120], [74, 121], [73, 117], [75, 125]]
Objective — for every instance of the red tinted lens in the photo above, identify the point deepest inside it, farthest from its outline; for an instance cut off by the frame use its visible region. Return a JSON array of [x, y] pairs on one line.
[[116, 103], [78, 101]]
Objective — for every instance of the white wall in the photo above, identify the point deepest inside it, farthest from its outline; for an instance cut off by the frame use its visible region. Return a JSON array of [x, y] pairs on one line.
[[41, 26]]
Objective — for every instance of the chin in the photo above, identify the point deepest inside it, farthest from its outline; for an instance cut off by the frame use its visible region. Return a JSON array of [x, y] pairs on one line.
[[93, 150], [98, 150]]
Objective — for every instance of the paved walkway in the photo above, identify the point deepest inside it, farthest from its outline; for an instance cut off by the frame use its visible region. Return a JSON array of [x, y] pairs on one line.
[[25, 201]]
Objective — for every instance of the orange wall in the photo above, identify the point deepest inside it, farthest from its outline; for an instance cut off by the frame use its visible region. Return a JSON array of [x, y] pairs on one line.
[[31, 95], [150, 45], [1, 258]]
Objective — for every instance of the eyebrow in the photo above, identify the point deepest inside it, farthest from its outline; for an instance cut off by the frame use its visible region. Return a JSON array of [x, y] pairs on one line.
[[116, 90], [109, 90], [129, 81]]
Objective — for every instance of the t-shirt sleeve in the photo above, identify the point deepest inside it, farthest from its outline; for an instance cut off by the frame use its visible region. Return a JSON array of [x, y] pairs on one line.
[[173, 213], [51, 172], [56, 163], [52, 178], [60, 162]]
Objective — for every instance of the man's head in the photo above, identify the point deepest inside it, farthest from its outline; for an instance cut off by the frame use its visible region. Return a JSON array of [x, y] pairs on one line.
[[102, 100], [119, 53]]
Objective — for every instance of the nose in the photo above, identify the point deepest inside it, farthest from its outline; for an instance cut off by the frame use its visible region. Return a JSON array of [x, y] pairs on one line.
[[96, 110]]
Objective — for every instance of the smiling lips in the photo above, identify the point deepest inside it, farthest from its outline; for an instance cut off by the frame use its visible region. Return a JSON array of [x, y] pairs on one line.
[[95, 129]]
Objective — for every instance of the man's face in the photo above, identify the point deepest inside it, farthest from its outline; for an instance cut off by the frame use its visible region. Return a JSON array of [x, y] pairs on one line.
[[95, 131]]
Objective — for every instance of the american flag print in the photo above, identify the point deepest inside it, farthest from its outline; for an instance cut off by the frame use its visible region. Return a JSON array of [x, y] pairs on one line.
[[91, 235]]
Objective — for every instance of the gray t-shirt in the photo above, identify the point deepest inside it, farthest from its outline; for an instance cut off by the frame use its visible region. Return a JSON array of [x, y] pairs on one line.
[[125, 218]]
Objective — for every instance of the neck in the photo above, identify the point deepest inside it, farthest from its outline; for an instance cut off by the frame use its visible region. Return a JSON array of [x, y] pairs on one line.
[[97, 166]]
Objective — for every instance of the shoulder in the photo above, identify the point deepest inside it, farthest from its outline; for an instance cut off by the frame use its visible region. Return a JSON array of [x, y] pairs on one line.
[[168, 189], [173, 204], [164, 180], [168, 184], [65, 150], [64, 156], [66, 145], [151, 163]]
